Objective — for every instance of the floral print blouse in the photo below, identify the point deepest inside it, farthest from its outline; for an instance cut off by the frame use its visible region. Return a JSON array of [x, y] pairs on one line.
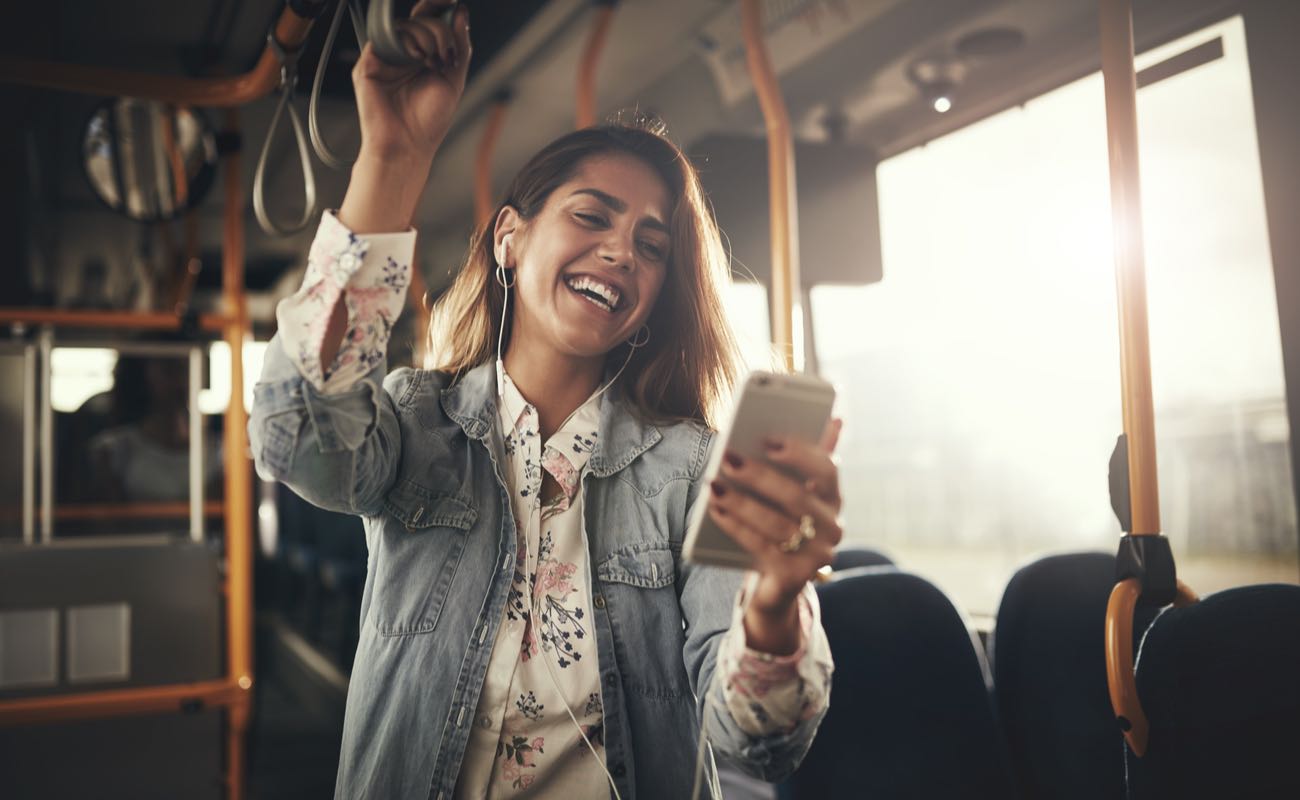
[[544, 657]]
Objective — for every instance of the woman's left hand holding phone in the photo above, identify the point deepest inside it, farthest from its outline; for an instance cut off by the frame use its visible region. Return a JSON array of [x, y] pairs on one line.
[[788, 520]]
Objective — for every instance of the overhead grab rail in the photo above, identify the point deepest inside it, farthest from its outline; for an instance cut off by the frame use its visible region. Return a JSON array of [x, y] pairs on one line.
[[784, 213], [1145, 564], [323, 151], [288, 82], [586, 114]]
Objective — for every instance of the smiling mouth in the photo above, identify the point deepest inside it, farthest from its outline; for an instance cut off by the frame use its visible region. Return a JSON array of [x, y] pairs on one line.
[[599, 294]]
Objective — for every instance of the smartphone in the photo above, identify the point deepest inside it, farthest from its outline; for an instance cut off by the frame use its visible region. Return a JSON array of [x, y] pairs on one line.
[[770, 404]]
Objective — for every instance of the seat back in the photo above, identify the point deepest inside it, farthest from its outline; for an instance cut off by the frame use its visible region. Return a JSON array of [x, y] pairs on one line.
[[1049, 669], [852, 557], [1219, 682], [910, 712]]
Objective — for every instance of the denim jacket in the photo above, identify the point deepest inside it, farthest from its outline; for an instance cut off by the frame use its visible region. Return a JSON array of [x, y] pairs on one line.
[[417, 458]]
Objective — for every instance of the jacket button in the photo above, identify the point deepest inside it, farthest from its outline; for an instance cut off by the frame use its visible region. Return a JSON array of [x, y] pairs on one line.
[[598, 601], [611, 679]]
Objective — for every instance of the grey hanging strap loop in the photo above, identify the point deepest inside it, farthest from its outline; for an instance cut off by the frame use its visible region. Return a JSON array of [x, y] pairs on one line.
[[323, 151], [288, 80]]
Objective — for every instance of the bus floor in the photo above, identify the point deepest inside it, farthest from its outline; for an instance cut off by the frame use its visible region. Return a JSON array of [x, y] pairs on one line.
[[297, 726]]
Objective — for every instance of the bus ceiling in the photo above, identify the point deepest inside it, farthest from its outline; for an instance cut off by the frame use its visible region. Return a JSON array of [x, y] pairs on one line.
[[867, 78]]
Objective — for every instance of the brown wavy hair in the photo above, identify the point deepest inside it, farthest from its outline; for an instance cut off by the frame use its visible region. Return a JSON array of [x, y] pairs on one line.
[[687, 369]]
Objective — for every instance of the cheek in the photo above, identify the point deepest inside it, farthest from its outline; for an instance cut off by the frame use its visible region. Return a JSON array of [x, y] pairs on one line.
[[654, 290]]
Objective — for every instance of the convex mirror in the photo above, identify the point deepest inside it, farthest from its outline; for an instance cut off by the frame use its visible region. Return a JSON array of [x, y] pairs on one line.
[[148, 160]]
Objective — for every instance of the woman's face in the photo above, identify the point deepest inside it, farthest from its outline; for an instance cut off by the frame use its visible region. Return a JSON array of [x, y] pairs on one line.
[[590, 264]]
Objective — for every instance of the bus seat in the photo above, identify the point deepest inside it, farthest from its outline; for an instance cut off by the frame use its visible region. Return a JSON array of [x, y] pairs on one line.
[[850, 557], [1049, 669], [1219, 681], [911, 713]]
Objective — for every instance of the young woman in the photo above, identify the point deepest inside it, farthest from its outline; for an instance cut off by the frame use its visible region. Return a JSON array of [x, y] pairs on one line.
[[528, 624]]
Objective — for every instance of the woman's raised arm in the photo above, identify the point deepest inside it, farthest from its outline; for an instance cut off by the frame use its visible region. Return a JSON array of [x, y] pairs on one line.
[[321, 423]]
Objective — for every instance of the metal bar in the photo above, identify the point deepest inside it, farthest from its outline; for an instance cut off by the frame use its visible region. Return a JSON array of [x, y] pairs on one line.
[[46, 343], [120, 702], [586, 116], [1187, 60], [29, 444], [784, 210], [238, 479], [176, 350], [290, 31], [127, 511], [1130, 271], [196, 446], [483, 164], [128, 320]]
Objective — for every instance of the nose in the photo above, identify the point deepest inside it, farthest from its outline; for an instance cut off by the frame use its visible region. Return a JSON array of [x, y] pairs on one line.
[[616, 250]]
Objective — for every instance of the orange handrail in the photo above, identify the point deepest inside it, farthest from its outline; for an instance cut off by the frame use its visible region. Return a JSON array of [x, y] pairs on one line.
[[1120, 80], [122, 320], [784, 214], [1130, 270], [121, 702], [238, 478], [483, 162], [115, 511], [1119, 659], [586, 116], [290, 31]]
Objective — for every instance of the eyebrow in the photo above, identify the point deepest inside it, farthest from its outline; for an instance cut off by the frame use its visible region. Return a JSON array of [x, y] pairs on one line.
[[620, 207]]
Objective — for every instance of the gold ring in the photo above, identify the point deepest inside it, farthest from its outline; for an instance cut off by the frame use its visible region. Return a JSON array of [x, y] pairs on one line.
[[807, 528], [793, 543]]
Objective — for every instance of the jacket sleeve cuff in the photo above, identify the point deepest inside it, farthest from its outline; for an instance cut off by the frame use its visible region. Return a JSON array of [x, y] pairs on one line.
[[768, 694], [372, 274]]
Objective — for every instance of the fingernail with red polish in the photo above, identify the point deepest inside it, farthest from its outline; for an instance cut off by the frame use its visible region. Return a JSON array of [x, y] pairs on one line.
[[733, 460]]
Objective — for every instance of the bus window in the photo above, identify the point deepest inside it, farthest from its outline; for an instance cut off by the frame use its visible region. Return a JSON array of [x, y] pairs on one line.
[[747, 309], [982, 373], [215, 398]]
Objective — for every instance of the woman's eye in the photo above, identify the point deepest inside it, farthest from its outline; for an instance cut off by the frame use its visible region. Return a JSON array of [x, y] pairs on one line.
[[590, 219], [652, 250]]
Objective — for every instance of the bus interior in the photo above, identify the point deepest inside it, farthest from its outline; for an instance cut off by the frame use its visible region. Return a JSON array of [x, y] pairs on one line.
[[962, 197]]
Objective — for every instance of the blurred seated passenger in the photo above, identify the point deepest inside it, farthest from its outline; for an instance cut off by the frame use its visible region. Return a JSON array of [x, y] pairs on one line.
[[145, 457]]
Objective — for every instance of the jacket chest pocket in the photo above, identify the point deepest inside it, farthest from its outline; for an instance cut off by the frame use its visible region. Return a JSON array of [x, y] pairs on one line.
[[421, 542], [638, 585]]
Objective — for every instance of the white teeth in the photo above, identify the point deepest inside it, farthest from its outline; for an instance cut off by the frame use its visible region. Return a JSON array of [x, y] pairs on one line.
[[608, 293]]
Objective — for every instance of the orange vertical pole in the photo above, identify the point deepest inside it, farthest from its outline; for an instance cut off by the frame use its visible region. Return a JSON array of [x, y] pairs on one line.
[[587, 68], [1130, 269], [238, 480], [784, 212], [483, 162]]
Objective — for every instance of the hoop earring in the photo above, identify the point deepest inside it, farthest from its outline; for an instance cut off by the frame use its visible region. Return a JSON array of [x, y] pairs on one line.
[[502, 275], [639, 340]]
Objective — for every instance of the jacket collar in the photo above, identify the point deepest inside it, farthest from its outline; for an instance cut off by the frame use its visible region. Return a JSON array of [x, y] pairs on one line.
[[472, 403]]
